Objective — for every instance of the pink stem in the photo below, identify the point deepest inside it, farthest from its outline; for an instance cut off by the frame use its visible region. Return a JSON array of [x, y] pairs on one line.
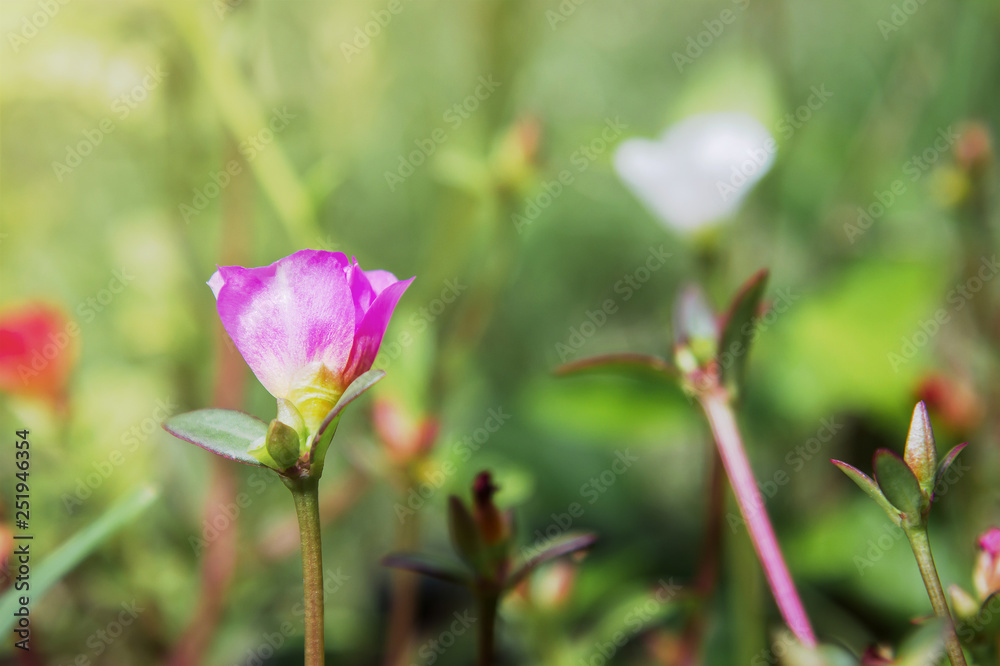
[[727, 437]]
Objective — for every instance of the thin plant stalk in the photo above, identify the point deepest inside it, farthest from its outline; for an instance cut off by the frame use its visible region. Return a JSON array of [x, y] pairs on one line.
[[305, 492], [928, 571], [487, 627], [727, 437]]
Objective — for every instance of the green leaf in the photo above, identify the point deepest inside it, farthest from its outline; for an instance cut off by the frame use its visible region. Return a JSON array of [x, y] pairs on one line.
[[899, 485], [945, 465], [73, 551], [427, 565], [464, 533], [224, 432], [563, 545], [640, 365], [738, 332], [321, 442], [920, 453], [870, 487]]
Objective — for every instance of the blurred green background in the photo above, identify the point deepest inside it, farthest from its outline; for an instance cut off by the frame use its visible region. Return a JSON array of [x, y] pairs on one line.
[[144, 143]]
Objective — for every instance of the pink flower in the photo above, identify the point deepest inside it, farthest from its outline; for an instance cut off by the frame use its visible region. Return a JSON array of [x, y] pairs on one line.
[[307, 325], [987, 573]]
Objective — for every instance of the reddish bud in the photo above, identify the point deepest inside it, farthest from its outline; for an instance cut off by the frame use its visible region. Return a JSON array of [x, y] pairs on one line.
[[492, 525], [406, 438]]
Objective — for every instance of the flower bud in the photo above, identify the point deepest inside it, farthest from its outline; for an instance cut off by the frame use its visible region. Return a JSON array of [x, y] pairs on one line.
[[987, 573], [492, 526]]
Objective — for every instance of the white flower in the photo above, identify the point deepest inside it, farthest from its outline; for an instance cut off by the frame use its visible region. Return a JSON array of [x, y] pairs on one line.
[[700, 170]]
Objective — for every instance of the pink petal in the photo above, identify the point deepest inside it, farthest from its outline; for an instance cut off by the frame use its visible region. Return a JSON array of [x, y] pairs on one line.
[[368, 337], [361, 290], [284, 316], [379, 280]]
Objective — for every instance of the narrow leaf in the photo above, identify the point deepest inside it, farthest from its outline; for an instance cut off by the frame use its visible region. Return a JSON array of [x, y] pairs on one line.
[[737, 330], [427, 565], [868, 485], [639, 365], [564, 545], [73, 551], [464, 533], [898, 484], [920, 453], [323, 437], [945, 465], [361, 384], [224, 432]]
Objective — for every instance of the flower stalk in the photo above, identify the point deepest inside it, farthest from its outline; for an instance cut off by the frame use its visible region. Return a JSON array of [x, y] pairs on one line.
[[485, 637], [305, 493], [727, 437], [917, 536]]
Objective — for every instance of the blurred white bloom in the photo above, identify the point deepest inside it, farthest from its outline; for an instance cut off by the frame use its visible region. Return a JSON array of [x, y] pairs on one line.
[[700, 170]]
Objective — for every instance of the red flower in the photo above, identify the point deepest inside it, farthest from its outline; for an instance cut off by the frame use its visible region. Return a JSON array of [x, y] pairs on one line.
[[38, 348]]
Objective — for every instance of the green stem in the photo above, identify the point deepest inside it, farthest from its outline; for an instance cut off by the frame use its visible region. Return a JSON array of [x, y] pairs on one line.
[[487, 625], [305, 492], [928, 571]]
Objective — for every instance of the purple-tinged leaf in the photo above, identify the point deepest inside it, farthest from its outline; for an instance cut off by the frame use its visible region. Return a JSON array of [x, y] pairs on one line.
[[564, 545], [867, 484], [427, 565], [945, 465], [639, 365], [224, 432]]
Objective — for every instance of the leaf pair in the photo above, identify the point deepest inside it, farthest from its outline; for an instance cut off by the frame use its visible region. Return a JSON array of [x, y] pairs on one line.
[[702, 340], [904, 486], [231, 434]]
